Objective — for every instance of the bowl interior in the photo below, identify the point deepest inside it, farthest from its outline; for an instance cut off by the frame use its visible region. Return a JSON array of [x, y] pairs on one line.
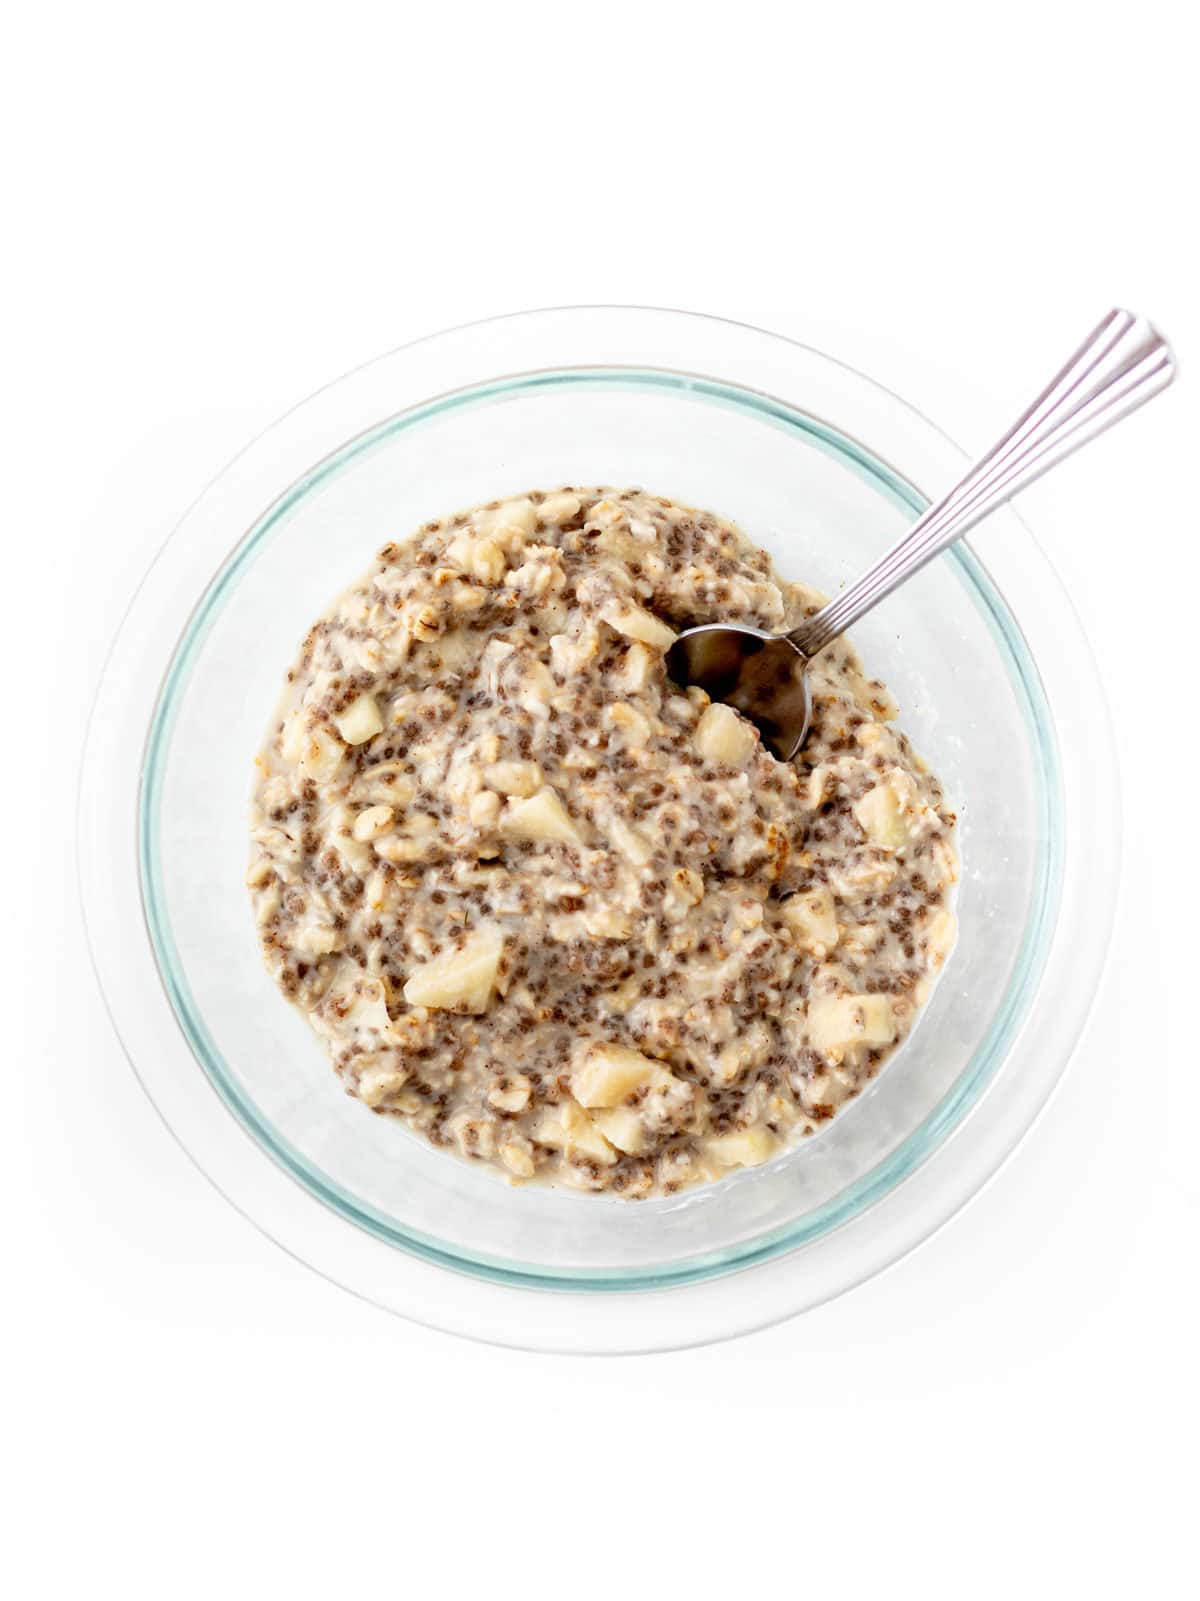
[[824, 507]]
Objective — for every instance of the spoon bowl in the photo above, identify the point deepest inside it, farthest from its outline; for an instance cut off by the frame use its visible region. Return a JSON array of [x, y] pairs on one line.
[[764, 676]]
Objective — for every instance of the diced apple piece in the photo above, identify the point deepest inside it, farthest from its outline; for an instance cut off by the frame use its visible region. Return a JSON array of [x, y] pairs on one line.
[[815, 788], [585, 1139], [550, 1129], [634, 672], [320, 755], [748, 1147], [632, 845], [541, 817], [460, 550], [837, 1023], [360, 721], [318, 939], [884, 812], [483, 809], [459, 980], [569, 1129], [610, 1073], [517, 1158], [487, 562], [558, 509], [534, 688], [357, 856], [375, 1084], [635, 622], [860, 940], [364, 1005], [520, 514], [749, 1048], [725, 738], [510, 1093], [621, 1126], [633, 727], [513, 778], [509, 525], [811, 920], [474, 1136], [268, 903], [571, 652]]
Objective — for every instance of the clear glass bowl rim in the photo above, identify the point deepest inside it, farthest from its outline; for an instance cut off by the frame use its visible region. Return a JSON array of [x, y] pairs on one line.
[[869, 1186], [870, 1189]]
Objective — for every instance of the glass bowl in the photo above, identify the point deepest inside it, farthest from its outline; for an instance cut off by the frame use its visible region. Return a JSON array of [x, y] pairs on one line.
[[823, 468]]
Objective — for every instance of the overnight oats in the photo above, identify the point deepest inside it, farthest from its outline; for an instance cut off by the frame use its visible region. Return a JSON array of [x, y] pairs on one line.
[[553, 912]]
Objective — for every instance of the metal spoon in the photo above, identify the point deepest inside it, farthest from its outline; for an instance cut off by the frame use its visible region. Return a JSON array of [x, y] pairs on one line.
[[1120, 365]]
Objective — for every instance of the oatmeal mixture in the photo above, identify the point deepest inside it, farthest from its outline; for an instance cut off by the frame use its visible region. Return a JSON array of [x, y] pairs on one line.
[[558, 915]]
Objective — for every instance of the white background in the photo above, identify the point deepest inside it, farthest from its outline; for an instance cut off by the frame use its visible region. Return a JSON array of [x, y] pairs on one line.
[[212, 210]]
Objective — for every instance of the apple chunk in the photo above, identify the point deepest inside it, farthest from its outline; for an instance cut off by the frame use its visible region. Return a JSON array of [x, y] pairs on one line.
[[609, 1074], [459, 980], [360, 721], [542, 817], [838, 1023], [724, 738]]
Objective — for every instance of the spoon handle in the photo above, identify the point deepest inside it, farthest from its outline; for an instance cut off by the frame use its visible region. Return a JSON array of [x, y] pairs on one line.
[[1122, 363]]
